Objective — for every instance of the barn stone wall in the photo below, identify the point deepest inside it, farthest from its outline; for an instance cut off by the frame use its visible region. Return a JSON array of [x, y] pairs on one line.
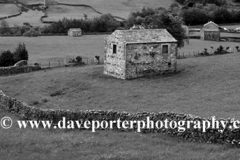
[[210, 32], [147, 59], [210, 35], [115, 64], [73, 33]]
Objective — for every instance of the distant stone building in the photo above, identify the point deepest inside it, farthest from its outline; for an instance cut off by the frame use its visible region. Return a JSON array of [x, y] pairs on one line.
[[136, 53], [186, 28], [210, 31], [74, 32], [137, 27]]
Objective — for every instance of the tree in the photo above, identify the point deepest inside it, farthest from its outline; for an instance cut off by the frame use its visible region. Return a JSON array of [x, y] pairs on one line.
[[193, 16], [6, 59], [20, 53], [159, 18], [4, 27], [174, 8]]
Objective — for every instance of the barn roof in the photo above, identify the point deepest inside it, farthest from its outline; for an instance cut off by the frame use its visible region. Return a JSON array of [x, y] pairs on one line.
[[211, 22], [211, 26], [143, 36], [74, 29]]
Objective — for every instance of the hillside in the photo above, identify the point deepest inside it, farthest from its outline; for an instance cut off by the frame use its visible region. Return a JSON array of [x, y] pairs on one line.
[[58, 9], [120, 8], [8, 9], [91, 8]]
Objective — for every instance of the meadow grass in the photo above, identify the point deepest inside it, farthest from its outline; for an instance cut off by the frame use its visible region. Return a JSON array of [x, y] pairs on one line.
[[47, 48], [205, 86], [56, 12], [8, 9], [18, 144], [31, 16], [121, 8], [54, 48]]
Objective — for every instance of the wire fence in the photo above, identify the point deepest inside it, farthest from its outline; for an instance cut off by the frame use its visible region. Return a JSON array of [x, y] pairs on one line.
[[181, 55], [65, 61]]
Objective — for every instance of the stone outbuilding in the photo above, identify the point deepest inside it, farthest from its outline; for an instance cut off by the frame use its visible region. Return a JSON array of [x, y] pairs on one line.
[[210, 31], [74, 32], [136, 53], [186, 28]]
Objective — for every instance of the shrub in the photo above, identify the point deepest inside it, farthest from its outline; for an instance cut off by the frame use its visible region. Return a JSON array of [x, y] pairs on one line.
[[4, 28], [20, 53], [205, 52], [31, 33], [237, 48], [6, 59], [159, 18], [220, 50], [79, 59]]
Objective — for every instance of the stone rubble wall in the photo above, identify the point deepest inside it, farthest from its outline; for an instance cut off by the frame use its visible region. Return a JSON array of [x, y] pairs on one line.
[[227, 136], [16, 70]]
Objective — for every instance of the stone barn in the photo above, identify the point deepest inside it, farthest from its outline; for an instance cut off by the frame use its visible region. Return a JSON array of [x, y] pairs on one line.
[[74, 32], [186, 28], [210, 31], [136, 53]]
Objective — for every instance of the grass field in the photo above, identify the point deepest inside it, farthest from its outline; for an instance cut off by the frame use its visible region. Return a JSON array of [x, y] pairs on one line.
[[197, 45], [32, 1], [53, 47], [56, 12], [206, 86], [8, 9], [45, 49], [32, 17], [232, 26], [121, 8], [42, 144]]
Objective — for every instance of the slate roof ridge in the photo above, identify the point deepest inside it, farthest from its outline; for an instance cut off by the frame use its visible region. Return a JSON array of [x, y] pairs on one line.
[[210, 23], [144, 35]]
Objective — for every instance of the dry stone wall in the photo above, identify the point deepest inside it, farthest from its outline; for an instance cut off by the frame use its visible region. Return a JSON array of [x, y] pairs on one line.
[[227, 136], [16, 70]]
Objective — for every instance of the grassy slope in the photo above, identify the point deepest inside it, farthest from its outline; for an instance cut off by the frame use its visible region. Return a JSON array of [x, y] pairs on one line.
[[56, 12], [120, 8], [41, 144], [205, 86], [45, 49], [32, 17], [31, 1], [8, 9]]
